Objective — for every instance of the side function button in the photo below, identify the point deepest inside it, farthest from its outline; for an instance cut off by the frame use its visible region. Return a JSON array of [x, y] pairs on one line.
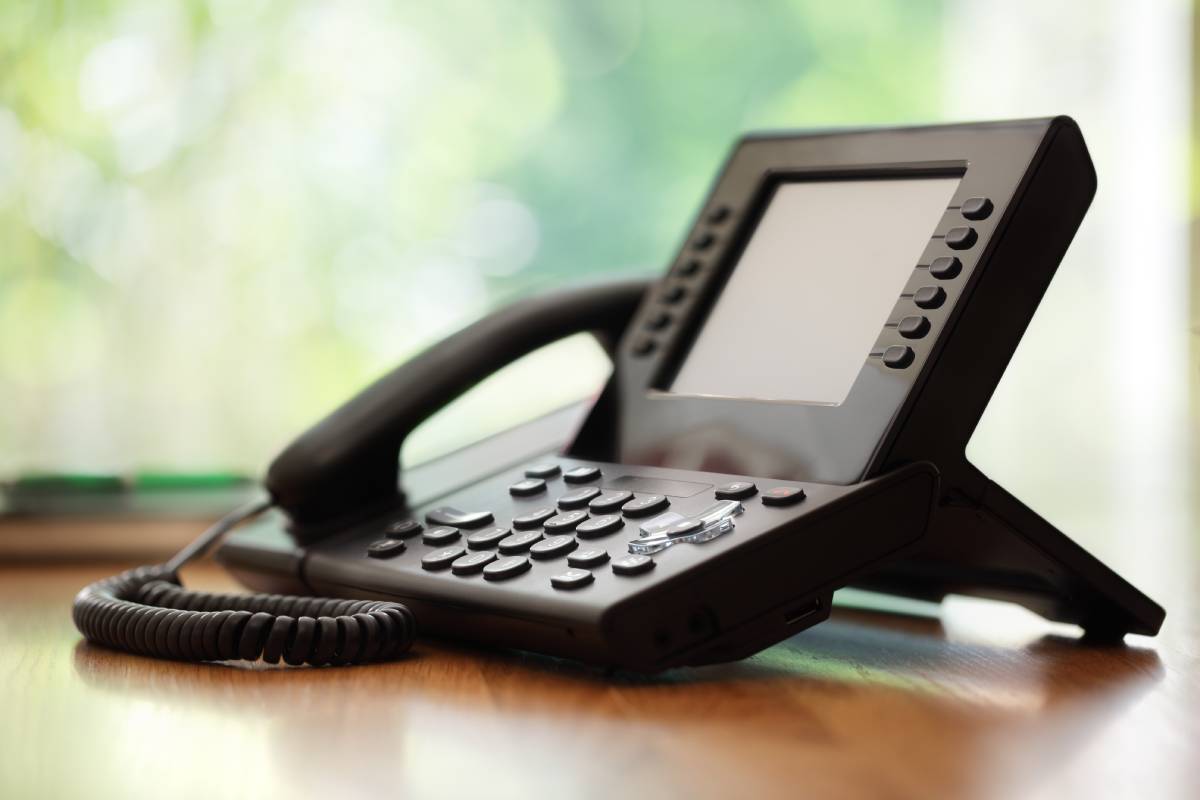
[[565, 522], [977, 208], [534, 519], [673, 294], [571, 579], [644, 346], [645, 506], [599, 526], [404, 529], [913, 327], [632, 565], [736, 490], [578, 498], [945, 267], [553, 547], [704, 241], [486, 538], [961, 238], [783, 496], [688, 268], [587, 558], [929, 297], [440, 535], [386, 548], [519, 542], [527, 487], [447, 515], [898, 356], [542, 471], [656, 322], [440, 559], [610, 501], [581, 474], [471, 563], [718, 215], [504, 568]]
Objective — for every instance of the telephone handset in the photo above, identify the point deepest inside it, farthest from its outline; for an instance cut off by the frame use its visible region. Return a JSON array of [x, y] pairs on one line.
[[788, 414]]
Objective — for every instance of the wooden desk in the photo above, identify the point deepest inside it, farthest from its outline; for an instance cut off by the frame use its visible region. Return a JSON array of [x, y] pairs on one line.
[[985, 702]]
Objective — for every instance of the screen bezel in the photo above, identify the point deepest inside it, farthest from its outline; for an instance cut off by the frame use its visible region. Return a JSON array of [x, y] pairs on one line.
[[770, 184]]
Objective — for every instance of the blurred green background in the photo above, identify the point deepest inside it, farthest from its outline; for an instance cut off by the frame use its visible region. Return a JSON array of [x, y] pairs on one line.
[[219, 219]]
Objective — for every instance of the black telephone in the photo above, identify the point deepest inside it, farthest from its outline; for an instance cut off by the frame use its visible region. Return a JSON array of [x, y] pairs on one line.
[[788, 415]]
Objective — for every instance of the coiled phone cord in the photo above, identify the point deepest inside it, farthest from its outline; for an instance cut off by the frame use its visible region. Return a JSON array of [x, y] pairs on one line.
[[147, 611]]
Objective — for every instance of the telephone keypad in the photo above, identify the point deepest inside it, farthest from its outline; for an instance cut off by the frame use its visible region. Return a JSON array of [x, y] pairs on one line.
[[542, 471], [571, 579], [534, 519], [645, 506], [610, 501], [632, 565], [587, 558], [565, 522], [519, 542], [454, 518], [386, 548], [581, 474], [471, 563], [554, 547], [440, 559], [578, 498], [486, 538], [440, 535], [404, 529], [599, 526], [504, 568], [527, 487]]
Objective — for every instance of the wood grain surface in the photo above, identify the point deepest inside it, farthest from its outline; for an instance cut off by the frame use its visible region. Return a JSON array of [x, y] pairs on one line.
[[976, 700]]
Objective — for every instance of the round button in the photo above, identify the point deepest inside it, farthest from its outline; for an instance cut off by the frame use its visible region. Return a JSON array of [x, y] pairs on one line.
[[945, 267], [486, 538], [542, 471], [961, 238], [534, 519], [704, 241], [442, 534], [471, 563], [688, 268], [519, 542], [736, 490], [644, 346], [898, 356], [673, 294], [977, 208], [929, 297], [913, 327], [386, 548], [783, 496], [645, 506], [565, 522], [553, 547], [587, 558], [440, 559], [403, 529], [656, 322], [571, 579], [610, 501], [598, 526], [527, 487], [578, 498], [718, 215], [504, 568], [632, 565]]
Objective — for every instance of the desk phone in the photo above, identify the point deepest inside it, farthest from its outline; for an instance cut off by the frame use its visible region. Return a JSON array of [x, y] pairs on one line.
[[787, 415]]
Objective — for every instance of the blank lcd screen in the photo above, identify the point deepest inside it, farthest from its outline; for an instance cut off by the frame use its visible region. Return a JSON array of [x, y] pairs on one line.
[[813, 289]]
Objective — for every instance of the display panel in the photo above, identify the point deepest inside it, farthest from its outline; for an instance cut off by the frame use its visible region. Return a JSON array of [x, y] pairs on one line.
[[813, 288]]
